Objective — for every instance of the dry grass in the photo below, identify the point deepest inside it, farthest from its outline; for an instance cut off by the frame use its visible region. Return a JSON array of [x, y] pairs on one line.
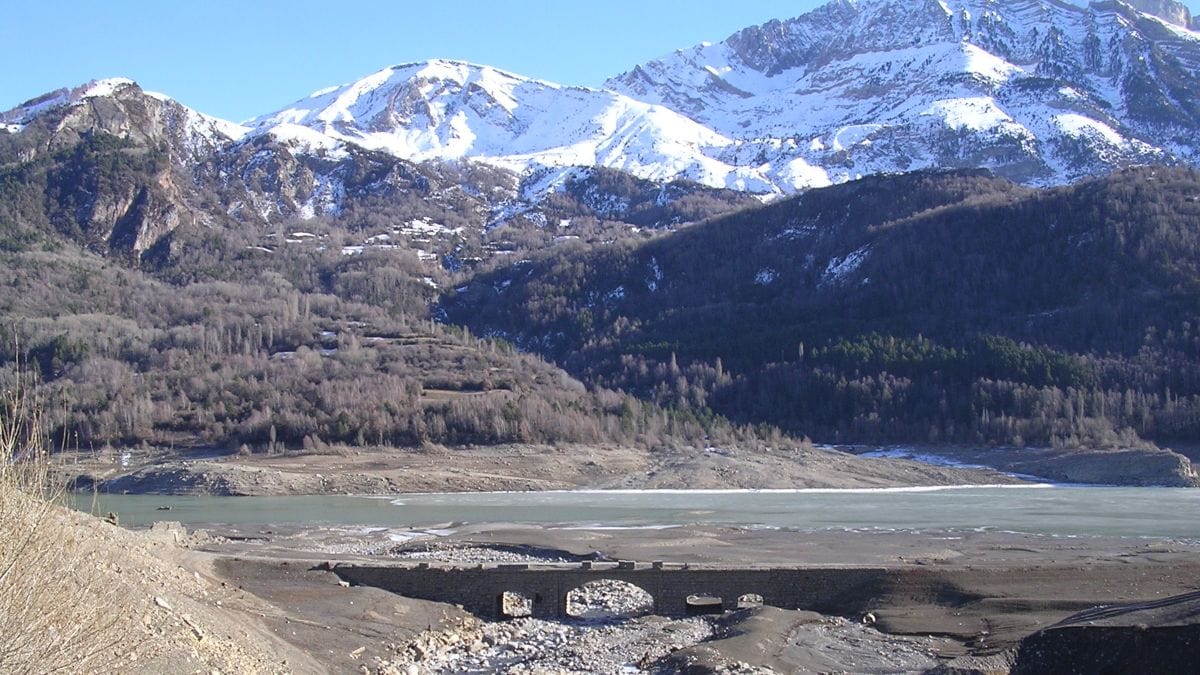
[[56, 613]]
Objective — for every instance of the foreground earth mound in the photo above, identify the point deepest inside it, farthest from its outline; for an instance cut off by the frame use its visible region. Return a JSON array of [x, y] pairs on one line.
[[1162, 636], [159, 608]]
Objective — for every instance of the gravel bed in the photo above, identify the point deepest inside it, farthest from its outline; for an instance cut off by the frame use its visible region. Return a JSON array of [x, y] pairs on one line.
[[530, 645], [607, 599], [475, 553]]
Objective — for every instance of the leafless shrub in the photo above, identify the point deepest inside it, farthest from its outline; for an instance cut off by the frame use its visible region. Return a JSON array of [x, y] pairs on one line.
[[57, 613]]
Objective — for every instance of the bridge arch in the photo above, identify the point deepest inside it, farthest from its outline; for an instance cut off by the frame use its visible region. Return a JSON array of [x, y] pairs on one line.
[[608, 598], [515, 604], [750, 600], [478, 589]]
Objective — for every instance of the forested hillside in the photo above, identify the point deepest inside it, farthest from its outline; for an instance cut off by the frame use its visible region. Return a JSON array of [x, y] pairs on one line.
[[180, 307], [288, 352], [921, 307]]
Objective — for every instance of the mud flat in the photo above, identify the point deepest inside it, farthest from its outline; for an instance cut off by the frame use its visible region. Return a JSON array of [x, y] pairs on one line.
[[1157, 467], [514, 467]]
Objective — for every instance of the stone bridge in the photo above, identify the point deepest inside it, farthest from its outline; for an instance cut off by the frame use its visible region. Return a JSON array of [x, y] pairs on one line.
[[678, 589]]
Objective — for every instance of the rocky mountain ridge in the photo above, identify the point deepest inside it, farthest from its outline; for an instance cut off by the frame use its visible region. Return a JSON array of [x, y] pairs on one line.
[[1043, 91], [1168, 10]]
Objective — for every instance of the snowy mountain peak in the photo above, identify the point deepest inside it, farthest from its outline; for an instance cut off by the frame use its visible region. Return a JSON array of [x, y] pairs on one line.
[[1040, 91], [1044, 91], [398, 96], [450, 110]]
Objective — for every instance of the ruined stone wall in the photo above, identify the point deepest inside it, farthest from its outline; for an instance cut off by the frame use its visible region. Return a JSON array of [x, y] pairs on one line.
[[478, 589]]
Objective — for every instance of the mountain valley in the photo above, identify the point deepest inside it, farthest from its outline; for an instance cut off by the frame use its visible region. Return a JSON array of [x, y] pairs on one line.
[[873, 333], [816, 228]]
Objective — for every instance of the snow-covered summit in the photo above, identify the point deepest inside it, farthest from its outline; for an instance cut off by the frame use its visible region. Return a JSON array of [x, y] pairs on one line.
[[450, 110], [1045, 91], [1041, 91]]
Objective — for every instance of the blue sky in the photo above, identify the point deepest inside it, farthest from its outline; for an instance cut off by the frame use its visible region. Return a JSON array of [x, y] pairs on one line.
[[238, 59]]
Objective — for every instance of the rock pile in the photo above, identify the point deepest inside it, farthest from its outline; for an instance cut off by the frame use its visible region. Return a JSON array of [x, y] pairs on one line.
[[535, 646], [473, 554], [606, 598]]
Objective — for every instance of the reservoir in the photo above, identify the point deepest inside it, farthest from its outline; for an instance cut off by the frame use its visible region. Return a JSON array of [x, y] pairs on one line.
[[1044, 510]]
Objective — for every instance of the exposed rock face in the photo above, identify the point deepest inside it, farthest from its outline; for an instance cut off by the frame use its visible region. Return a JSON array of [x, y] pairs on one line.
[[1041, 91], [1167, 10], [137, 218], [120, 108], [118, 161]]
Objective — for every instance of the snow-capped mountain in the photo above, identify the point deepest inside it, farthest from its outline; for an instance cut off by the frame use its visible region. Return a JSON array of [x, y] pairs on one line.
[[447, 110], [1043, 91]]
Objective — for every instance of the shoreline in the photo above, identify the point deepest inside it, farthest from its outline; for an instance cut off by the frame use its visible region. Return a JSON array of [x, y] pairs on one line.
[[531, 468], [518, 468]]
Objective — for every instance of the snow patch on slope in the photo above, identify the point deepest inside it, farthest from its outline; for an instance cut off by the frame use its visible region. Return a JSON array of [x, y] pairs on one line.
[[839, 269], [979, 113], [1080, 126]]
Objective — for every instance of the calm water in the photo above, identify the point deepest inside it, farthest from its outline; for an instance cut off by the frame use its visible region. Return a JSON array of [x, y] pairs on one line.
[[1129, 512]]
